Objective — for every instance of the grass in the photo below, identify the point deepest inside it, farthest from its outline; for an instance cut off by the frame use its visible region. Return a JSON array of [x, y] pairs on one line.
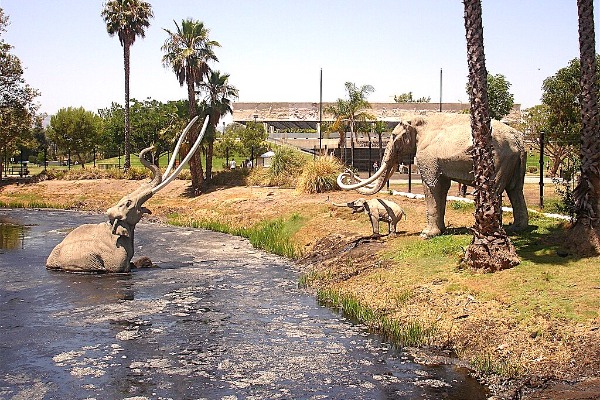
[[406, 333], [274, 236]]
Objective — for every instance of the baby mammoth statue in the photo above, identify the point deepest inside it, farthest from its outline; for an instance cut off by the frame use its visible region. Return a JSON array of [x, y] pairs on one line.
[[377, 210]]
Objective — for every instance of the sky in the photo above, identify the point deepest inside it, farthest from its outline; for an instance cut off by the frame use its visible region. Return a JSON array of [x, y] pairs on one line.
[[274, 50]]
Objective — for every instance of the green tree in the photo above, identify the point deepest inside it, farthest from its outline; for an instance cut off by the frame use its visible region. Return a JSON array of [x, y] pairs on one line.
[[188, 50], [17, 107], [218, 96], [558, 145], [75, 131], [500, 99], [111, 134], [155, 123], [352, 110], [585, 233], [408, 98], [252, 139], [228, 142], [127, 19], [490, 249]]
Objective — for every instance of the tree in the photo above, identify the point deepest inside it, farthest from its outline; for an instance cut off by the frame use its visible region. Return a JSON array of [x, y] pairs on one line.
[[17, 107], [340, 125], [218, 96], [490, 249], [408, 98], [252, 139], [228, 142], [558, 145], [75, 131], [188, 50], [500, 100], [585, 232], [351, 111], [127, 19]]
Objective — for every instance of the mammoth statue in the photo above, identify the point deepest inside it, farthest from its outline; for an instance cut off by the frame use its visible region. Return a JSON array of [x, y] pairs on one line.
[[441, 144], [377, 210], [108, 246]]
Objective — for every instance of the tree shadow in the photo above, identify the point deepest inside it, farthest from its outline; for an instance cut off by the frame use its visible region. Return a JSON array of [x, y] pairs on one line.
[[544, 245]]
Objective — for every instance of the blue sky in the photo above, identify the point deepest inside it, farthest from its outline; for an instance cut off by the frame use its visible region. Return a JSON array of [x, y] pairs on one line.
[[274, 49]]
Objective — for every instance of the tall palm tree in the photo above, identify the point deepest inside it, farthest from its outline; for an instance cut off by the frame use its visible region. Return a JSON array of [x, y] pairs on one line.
[[128, 19], [490, 248], [585, 232], [348, 113], [339, 110], [218, 96], [188, 50], [357, 106]]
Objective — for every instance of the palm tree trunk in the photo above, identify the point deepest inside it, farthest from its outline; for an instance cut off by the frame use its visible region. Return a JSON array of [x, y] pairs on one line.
[[126, 150], [196, 160], [585, 235], [490, 249]]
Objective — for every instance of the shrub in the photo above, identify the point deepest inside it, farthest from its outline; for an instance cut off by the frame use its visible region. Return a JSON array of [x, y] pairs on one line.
[[320, 175], [284, 171]]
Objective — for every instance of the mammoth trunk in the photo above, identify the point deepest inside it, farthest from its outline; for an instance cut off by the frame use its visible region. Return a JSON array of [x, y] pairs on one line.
[[396, 148]]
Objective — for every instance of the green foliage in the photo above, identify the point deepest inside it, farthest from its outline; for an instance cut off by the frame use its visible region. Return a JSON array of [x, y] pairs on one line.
[[408, 98], [75, 130], [490, 364], [287, 161], [17, 107], [406, 333], [286, 166], [273, 236], [320, 175], [500, 100]]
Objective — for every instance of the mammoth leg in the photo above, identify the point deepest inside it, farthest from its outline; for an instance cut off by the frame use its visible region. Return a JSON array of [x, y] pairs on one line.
[[435, 202], [375, 224], [520, 215]]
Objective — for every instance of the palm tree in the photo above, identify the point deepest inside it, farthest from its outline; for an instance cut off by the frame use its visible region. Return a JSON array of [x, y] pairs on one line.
[[585, 235], [340, 112], [219, 94], [490, 248], [128, 19], [348, 112], [188, 50]]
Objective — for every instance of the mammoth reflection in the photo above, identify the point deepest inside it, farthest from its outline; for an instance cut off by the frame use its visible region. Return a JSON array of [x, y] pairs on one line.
[[12, 235]]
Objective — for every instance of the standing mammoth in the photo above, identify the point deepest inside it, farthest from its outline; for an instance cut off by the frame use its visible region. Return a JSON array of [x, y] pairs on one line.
[[377, 210], [441, 143], [108, 246]]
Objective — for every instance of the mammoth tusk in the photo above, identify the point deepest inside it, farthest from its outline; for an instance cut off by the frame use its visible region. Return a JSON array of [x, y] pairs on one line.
[[178, 145], [340, 204], [361, 182], [114, 226], [189, 155]]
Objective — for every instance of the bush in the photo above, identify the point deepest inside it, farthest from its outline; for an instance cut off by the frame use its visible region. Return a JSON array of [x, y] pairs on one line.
[[233, 177], [532, 170], [285, 169], [320, 175]]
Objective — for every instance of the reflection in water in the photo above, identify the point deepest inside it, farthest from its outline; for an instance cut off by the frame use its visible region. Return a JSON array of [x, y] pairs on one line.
[[12, 235]]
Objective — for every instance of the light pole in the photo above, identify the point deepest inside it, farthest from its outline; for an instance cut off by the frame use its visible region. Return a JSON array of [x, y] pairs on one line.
[[541, 169]]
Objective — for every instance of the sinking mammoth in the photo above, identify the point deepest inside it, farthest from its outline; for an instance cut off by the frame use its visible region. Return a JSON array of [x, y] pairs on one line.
[[108, 246], [441, 144]]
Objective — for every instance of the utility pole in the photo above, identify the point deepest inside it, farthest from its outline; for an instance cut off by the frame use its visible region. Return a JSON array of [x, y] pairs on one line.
[[440, 90]]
